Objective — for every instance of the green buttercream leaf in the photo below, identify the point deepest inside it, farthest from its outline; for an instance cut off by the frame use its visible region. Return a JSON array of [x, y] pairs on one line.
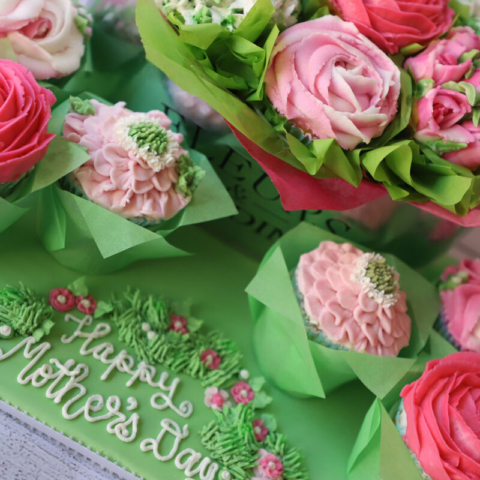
[[476, 116], [83, 107], [463, 87], [471, 55], [411, 49], [194, 324], [423, 87], [79, 287], [257, 383], [103, 308], [261, 400], [190, 176], [25, 312], [269, 421], [440, 147]]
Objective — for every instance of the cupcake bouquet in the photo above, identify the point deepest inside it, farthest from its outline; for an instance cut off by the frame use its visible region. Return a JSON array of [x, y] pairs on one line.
[[340, 102], [327, 312]]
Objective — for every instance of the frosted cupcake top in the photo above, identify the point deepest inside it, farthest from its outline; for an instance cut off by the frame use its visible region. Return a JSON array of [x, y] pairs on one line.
[[460, 294], [354, 299], [138, 168]]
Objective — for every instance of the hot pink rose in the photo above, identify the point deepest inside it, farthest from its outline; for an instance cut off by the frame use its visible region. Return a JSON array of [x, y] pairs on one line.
[[441, 60], [122, 176], [43, 35], [332, 82], [260, 430], [439, 114], [25, 110], [394, 24], [443, 424], [242, 393]]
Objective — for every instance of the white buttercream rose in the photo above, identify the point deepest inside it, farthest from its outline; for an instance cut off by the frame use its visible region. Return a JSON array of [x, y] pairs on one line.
[[44, 35]]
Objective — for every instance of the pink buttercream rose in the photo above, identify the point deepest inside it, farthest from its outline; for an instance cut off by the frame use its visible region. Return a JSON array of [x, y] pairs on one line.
[[120, 176], [216, 399], [394, 24], [210, 359], [43, 35], [242, 393], [86, 304], [332, 82], [178, 324], [471, 266], [440, 113], [329, 279], [441, 60], [443, 424], [269, 466]]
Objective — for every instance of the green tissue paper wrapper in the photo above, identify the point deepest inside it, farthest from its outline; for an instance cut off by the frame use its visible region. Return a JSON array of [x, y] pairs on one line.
[[379, 452], [61, 158], [304, 368]]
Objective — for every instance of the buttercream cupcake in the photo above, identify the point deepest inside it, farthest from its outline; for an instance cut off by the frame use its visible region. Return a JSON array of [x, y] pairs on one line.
[[438, 418], [352, 300], [138, 168], [459, 320]]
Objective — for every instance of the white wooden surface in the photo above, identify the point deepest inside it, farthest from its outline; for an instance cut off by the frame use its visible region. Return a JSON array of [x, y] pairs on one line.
[[27, 454]]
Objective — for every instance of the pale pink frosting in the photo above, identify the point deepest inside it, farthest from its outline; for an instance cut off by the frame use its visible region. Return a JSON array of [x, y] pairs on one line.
[[461, 306], [440, 61], [119, 180], [443, 423], [332, 82], [340, 308]]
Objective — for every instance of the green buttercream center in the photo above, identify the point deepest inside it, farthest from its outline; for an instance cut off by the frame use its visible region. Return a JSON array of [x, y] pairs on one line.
[[149, 135], [382, 275]]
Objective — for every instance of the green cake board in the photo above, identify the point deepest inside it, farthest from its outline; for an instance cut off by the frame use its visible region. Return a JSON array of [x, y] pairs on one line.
[[215, 280]]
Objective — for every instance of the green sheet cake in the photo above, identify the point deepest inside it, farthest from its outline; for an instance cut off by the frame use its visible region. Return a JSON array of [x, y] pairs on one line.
[[140, 382]]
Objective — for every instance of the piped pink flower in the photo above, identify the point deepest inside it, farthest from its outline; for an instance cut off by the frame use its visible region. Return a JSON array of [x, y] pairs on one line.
[[62, 299], [216, 399], [242, 393], [178, 324], [211, 359], [269, 467], [260, 430], [86, 304]]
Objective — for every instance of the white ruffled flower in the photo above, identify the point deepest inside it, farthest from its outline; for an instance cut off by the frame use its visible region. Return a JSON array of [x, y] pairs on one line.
[[157, 160], [372, 288], [228, 13]]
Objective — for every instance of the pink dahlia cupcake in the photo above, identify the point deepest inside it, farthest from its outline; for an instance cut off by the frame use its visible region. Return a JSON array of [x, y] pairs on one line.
[[438, 418], [459, 320], [352, 300], [138, 168]]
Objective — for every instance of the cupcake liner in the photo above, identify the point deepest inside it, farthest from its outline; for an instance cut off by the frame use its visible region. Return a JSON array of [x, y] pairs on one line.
[[72, 185], [6, 189], [441, 326], [314, 333], [401, 424]]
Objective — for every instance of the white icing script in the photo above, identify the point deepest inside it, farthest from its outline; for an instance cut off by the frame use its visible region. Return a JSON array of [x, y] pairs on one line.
[[126, 364], [71, 375]]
